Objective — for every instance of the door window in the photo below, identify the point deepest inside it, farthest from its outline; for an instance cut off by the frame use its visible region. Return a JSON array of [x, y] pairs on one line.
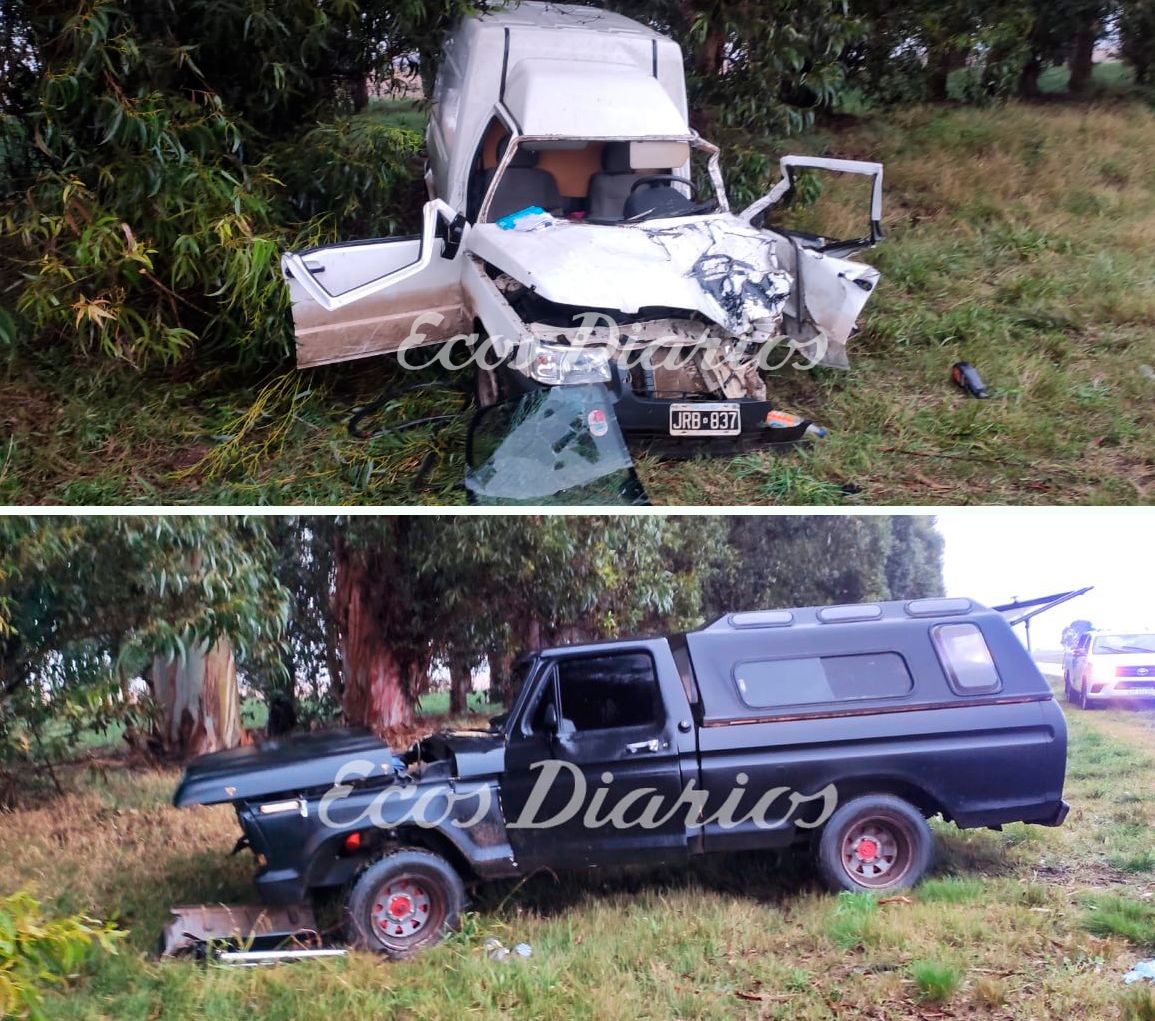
[[609, 692]]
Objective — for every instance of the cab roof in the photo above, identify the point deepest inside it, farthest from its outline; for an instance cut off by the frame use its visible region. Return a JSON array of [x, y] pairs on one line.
[[591, 100], [920, 609], [532, 14]]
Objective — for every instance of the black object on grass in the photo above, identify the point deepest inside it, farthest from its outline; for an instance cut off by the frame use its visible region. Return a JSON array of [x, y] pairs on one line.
[[966, 377]]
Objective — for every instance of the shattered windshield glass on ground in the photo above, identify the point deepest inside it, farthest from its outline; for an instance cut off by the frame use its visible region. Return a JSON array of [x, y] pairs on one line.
[[562, 445]]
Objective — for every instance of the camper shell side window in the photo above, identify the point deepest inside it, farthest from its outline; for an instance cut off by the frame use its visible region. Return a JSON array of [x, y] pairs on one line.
[[822, 680], [966, 659]]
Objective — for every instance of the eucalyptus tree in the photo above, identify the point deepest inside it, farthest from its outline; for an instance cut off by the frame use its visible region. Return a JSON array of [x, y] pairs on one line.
[[756, 71], [156, 155], [1137, 37], [810, 560], [88, 605], [410, 591]]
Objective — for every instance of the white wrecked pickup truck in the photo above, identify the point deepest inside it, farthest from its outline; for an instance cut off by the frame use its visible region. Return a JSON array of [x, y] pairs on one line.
[[579, 230]]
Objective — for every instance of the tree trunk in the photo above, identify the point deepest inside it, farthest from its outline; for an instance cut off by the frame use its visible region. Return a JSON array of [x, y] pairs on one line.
[[200, 707], [500, 661], [710, 56], [940, 64], [359, 90], [1029, 78], [1083, 57], [374, 691], [460, 685]]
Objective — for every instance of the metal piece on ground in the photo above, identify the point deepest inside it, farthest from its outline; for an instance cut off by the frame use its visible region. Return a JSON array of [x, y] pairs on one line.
[[196, 926], [260, 958]]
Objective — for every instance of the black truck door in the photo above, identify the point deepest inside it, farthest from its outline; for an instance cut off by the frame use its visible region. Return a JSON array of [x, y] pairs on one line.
[[597, 715]]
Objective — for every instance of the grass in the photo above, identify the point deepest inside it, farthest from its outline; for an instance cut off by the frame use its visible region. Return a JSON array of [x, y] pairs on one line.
[[1115, 915], [936, 981], [1020, 238], [1005, 928]]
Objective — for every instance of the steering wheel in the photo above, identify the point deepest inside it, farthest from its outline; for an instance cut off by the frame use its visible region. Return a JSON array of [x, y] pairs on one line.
[[666, 201]]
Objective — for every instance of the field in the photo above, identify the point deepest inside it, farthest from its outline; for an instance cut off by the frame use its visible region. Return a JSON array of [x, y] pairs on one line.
[[1021, 238], [1026, 923]]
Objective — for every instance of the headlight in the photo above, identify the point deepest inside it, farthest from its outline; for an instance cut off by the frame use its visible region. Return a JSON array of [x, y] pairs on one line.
[[555, 365]]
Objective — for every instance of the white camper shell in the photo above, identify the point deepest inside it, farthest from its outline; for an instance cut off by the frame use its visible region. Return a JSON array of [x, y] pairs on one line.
[[582, 113]]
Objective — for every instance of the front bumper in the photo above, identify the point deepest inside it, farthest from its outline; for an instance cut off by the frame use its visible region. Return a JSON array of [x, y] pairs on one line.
[[645, 419], [1121, 689]]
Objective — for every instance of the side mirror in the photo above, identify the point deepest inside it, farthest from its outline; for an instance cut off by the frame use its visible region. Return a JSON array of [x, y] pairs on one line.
[[549, 719]]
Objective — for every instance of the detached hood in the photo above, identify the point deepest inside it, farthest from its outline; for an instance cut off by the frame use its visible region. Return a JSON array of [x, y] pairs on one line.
[[283, 766], [718, 265]]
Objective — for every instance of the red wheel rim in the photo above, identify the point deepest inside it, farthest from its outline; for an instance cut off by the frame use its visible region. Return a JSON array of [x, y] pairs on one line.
[[402, 908], [878, 850]]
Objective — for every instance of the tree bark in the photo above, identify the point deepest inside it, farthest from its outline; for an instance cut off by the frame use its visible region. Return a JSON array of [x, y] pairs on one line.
[[500, 661], [1083, 57], [1029, 78], [200, 706], [460, 685], [374, 691], [940, 66]]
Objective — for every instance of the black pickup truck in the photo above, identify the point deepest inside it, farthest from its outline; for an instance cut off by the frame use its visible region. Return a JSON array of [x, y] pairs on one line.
[[843, 728]]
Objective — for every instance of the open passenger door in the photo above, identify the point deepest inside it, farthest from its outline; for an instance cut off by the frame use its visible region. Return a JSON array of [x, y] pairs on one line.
[[757, 212], [829, 290], [365, 298]]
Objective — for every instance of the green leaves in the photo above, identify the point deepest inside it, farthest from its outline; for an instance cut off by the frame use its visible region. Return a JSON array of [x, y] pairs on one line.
[[36, 953], [86, 603], [172, 153]]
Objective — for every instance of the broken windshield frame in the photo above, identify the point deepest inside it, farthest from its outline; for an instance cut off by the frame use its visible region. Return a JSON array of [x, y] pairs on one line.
[[516, 139]]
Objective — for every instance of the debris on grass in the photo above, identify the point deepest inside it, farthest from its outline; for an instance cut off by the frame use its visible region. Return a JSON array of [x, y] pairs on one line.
[[495, 950], [1143, 971]]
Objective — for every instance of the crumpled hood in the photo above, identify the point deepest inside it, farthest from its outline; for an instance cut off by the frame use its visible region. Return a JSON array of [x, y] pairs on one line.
[[475, 753], [718, 265], [285, 766]]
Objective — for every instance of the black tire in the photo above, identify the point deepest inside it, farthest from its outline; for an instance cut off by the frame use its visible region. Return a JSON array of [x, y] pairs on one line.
[[488, 387], [489, 384], [404, 903], [894, 833]]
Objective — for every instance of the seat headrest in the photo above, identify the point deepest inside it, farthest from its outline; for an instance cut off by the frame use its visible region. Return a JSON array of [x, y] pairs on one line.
[[616, 158], [522, 158]]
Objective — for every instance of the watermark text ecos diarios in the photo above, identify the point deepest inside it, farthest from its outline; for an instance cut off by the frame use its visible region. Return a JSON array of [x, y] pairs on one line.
[[465, 806], [597, 330]]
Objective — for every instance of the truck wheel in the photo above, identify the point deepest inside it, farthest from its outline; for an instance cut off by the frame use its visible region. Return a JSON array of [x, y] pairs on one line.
[[487, 388], [875, 843], [405, 902]]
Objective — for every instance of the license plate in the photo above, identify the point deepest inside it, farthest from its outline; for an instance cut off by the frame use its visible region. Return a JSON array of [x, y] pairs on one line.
[[720, 419]]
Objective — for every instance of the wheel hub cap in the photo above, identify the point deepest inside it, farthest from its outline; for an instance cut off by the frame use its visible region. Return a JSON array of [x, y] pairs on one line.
[[876, 852], [401, 908]]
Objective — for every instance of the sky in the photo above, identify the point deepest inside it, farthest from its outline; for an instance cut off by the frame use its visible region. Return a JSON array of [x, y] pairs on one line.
[[997, 554]]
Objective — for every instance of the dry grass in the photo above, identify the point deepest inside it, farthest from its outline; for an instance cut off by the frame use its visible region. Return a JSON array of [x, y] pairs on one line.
[[1004, 920]]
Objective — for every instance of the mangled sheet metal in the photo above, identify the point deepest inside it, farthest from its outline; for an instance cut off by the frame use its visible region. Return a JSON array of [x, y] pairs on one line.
[[258, 927], [719, 266], [749, 282], [561, 445]]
